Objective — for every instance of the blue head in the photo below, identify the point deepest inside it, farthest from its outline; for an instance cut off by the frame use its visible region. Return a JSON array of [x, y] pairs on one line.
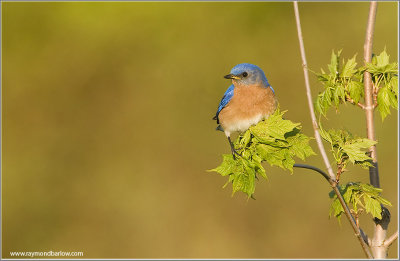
[[247, 74]]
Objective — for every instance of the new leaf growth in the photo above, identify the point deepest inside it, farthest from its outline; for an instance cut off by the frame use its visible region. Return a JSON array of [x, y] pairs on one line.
[[274, 140], [344, 84], [360, 197]]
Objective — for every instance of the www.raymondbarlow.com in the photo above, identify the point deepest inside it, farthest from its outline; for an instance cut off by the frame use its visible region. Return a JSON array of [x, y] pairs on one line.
[[46, 254]]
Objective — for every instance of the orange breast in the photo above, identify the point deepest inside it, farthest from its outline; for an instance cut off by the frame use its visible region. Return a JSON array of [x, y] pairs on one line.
[[249, 105]]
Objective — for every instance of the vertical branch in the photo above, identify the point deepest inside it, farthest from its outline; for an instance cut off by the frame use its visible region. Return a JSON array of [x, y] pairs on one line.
[[309, 97], [378, 246], [360, 235], [369, 94]]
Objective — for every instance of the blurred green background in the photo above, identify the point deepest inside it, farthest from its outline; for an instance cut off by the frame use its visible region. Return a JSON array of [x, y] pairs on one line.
[[107, 130]]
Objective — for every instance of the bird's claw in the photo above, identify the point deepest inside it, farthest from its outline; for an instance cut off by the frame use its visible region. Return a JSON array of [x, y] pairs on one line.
[[233, 149], [235, 152]]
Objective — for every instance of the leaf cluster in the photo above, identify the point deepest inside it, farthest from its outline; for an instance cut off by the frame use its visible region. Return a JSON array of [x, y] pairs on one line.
[[348, 148], [344, 83], [359, 196], [385, 80], [274, 140]]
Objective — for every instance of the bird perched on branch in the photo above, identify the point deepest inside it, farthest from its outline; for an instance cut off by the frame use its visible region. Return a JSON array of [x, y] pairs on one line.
[[246, 102]]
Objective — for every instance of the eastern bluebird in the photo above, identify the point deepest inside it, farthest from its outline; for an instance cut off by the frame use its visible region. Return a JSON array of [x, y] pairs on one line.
[[246, 102]]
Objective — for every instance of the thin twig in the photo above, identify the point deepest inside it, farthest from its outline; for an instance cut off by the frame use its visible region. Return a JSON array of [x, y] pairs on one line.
[[391, 239], [359, 104], [326, 176], [305, 166], [339, 172], [375, 94], [360, 235], [309, 97], [375, 102]]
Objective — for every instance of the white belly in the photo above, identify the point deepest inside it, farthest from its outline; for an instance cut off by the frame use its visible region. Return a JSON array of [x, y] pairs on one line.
[[242, 125]]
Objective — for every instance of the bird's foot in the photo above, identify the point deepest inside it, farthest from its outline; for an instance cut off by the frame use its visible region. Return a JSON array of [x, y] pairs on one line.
[[235, 152], [233, 149]]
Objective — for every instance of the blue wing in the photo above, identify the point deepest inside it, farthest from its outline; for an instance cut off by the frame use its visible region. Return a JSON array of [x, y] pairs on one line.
[[224, 101], [273, 91]]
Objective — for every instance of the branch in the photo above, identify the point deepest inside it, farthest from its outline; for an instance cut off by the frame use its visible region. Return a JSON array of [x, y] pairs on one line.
[[375, 94], [369, 93], [391, 239], [340, 170], [332, 180], [309, 97], [362, 237], [378, 241], [326, 176], [359, 104], [305, 166]]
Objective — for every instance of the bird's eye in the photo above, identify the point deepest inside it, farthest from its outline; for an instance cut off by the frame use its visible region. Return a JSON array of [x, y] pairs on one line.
[[244, 74]]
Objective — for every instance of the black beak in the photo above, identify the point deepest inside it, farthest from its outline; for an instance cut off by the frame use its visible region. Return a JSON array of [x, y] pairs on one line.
[[231, 76]]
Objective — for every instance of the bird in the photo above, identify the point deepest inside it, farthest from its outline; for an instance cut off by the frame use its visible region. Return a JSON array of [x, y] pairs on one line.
[[248, 100]]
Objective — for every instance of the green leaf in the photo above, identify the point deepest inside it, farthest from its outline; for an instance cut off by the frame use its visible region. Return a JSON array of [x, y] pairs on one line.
[[368, 188], [259, 168], [339, 95], [245, 139], [384, 102], [336, 209], [392, 99], [354, 149], [273, 155], [384, 201], [349, 68], [299, 146], [364, 164], [394, 85], [249, 183], [339, 137], [358, 196], [372, 206], [288, 161], [382, 59], [380, 64], [324, 100], [274, 127], [347, 194], [319, 105], [227, 167], [356, 90], [334, 65], [325, 135], [323, 77]]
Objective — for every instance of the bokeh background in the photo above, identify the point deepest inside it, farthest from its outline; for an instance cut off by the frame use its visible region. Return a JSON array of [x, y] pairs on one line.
[[107, 130]]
